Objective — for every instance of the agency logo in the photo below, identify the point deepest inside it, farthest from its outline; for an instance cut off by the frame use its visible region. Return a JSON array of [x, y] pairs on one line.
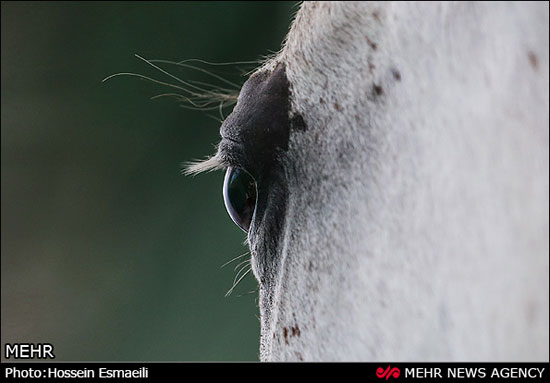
[[389, 372]]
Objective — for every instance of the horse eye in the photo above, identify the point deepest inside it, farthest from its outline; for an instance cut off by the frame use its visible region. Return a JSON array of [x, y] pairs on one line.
[[239, 196]]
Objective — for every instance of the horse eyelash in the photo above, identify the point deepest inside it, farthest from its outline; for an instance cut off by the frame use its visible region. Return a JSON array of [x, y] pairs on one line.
[[201, 166]]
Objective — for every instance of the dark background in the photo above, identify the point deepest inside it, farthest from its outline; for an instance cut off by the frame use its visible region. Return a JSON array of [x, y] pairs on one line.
[[108, 252]]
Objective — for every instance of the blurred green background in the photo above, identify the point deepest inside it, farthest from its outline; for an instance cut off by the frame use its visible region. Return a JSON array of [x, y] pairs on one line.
[[108, 252]]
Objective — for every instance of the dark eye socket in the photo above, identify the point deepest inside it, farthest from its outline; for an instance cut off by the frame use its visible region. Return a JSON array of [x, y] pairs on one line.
[[239, 196]]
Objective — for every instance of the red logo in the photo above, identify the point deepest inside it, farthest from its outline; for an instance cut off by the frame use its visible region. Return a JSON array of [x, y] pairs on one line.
[[388, 372]]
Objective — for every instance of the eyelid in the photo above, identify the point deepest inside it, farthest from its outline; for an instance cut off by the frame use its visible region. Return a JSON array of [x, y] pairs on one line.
[[232, 140], [232, 153]]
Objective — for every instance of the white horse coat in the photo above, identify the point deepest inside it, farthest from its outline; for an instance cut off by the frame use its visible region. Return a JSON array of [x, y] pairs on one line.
[[404, 212]]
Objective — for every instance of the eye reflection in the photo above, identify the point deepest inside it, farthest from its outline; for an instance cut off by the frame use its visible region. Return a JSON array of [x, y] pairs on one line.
[[239, 196]]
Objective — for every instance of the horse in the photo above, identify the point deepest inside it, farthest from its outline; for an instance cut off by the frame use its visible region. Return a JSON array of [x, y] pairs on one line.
[[390, 167]]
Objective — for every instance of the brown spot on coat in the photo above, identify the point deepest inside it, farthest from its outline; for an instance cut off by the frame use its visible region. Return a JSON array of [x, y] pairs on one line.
[[337, 107], [533, 60], [371, 43], [371, 66], [396, 74], [291, 332]]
